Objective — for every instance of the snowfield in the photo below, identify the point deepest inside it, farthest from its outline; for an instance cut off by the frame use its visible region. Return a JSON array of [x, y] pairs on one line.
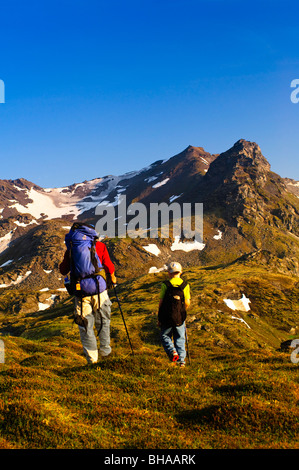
[[186, 246], [52, 203], [153, 249], [56, 202], [241, 304]]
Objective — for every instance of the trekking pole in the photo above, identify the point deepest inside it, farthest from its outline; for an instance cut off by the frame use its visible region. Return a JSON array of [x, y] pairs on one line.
[[122, 316], [188, 354]]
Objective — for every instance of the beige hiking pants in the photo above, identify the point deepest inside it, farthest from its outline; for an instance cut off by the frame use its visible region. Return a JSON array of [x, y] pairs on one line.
[[98, 318]]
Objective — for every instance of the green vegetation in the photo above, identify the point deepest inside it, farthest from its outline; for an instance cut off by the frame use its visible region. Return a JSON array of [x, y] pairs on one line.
[[240, 390]]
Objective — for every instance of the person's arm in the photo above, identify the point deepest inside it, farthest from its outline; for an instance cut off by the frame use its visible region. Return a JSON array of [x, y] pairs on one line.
[[162, 293], [64, 267], [106, 261], [187, 296], [158, 321]]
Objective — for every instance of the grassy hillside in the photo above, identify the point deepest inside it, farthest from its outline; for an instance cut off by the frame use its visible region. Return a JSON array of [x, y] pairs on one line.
[[240, 390]]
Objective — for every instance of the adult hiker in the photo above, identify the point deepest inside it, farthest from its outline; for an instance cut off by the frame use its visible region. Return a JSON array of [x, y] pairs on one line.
[[88, 262], [174, 300]]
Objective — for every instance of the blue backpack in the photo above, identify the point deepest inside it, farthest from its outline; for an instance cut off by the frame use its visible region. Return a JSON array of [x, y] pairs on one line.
[[85, 265]]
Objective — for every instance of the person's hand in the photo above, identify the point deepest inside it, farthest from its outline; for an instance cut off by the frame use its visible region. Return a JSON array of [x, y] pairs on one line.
[[113, 278], [110, 280]]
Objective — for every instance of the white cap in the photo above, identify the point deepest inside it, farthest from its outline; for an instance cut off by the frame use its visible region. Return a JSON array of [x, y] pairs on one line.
[[174, 267]]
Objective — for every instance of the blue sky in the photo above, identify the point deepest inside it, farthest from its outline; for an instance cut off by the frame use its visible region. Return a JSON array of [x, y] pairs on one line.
[[104, 87]]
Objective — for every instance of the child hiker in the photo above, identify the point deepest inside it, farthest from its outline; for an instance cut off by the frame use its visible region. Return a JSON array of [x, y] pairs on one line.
[[174, 301]]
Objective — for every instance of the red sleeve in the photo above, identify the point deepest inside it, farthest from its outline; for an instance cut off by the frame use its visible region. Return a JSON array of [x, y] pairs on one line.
[[104, 257], [64, 267]]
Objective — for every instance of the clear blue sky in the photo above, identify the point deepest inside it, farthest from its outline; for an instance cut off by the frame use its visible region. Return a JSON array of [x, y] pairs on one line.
[[99, 87]]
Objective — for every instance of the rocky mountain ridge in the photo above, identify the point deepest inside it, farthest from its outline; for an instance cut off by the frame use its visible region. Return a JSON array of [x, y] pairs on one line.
[[195, 171], [247, 210]]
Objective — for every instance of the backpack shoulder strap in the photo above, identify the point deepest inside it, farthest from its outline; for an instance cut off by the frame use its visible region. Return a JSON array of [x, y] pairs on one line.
[[180, 286], [183, 285], [167, 283]]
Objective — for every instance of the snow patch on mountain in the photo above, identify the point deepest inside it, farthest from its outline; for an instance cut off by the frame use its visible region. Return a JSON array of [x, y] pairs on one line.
[[154, 269], [17, 281], [186, 246], [241, 304], [153, 249], [218, 236], [173, 198], [6, 263], [48, 302], [73, 200], [161, 183], [52, 203], [150, 179], [5, 241], [44, 204]]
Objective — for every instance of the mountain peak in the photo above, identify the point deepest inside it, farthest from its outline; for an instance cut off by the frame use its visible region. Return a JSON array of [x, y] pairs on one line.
[[247, 147], [245, 144], [246, 154], [194, 160], [191, 148]]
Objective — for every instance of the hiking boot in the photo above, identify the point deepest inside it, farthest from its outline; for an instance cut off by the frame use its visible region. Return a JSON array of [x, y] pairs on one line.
[[175, 357]]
